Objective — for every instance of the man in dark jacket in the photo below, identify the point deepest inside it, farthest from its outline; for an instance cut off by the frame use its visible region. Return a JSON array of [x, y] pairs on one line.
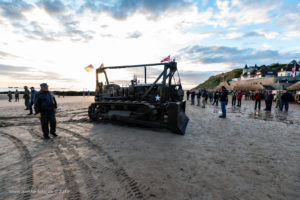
[[187, 95], [193, 94], [32, 98], [224, 100], [198, 97], [45, 107], [216, 98], [9, 96], [284, 101], [26, 97], [234, 94], [269, 99], [204, 97], [17, 95]]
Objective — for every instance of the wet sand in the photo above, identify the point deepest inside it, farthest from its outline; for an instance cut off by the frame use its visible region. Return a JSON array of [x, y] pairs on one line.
[[250, 155]]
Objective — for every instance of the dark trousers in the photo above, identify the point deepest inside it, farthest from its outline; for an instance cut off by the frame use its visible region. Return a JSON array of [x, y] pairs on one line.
[[257, 102], [239, 102], [223, 107], [26, 102], [192, 100], [233, 101], [45, 120], [215, 101], [30, 106], [285, 104], [268, 105]]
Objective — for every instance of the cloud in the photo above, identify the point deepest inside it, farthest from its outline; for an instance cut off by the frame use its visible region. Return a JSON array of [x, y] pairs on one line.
[[14, 9], [52, 7], [122, 9], [135, 35], [30, 74], [4, 55], [259, 33], [34, 30], [253, 34], [234, 56], [291, 20], [238, 13], [266, 46]]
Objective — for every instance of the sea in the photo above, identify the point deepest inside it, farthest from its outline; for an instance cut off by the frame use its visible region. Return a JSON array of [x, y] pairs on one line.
[[11, 89]]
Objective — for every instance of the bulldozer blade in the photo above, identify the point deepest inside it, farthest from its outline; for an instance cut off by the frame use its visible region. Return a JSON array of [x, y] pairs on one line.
[[177, 119]]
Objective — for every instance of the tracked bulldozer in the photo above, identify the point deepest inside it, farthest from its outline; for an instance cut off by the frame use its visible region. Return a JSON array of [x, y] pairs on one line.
[[159, 104]]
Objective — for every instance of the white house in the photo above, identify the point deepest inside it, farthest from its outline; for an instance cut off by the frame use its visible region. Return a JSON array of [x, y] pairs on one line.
[[249, 72], [288, 69]]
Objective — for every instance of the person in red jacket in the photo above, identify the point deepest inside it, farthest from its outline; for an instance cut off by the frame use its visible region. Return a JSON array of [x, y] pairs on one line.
[[257, 100], [239, 98]]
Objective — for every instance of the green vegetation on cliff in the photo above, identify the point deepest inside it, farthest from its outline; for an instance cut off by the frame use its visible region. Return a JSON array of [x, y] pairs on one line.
[[213, 81]]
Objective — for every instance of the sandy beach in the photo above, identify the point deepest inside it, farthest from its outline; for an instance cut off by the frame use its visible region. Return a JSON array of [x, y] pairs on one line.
[[248, 156]]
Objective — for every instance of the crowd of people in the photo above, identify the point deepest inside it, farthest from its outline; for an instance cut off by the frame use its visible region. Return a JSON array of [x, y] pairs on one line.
[[213, 97], [45, 107]]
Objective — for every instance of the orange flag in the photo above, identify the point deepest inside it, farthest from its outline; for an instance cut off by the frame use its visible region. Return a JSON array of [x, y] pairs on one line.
[[89, 68]]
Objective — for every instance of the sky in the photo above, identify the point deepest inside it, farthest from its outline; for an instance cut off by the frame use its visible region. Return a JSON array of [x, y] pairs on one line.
[[52, 41]]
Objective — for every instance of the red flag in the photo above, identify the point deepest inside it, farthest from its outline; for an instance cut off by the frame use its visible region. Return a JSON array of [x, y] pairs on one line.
[[294, 71], [89, 68], [165, 59], [101, 66]]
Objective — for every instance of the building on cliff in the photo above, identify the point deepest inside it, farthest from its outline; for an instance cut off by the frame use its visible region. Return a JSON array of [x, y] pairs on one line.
[[264, 78], [288, 69], [249, 72]]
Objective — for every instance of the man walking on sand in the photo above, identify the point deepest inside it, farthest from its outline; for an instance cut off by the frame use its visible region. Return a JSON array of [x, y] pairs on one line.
[[198, 97], [9, 96], [187, 95], [224, 100], [234, 94], [17, 95], [269, 100], [193, 94], [284, 101], [32, 98], [45, 108], [216, 98], [204, 97], [26, 97]]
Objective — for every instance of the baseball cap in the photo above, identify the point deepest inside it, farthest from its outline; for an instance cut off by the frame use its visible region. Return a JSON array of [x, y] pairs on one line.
[[43, 85]]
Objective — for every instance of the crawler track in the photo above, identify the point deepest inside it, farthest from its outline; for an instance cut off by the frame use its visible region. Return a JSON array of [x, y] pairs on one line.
[[71, 184], [90, 182], [26, 170], [128, 183]]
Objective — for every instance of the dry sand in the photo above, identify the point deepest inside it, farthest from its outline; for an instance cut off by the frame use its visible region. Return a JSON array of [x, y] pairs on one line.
[[247, 156]]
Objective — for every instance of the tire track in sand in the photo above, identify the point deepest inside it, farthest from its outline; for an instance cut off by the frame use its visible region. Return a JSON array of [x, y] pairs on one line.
[[72, 186], [27, 171], [89, 180], [129, 184]]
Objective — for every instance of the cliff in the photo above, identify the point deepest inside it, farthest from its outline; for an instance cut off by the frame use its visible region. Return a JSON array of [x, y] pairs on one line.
[[214, 81]]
